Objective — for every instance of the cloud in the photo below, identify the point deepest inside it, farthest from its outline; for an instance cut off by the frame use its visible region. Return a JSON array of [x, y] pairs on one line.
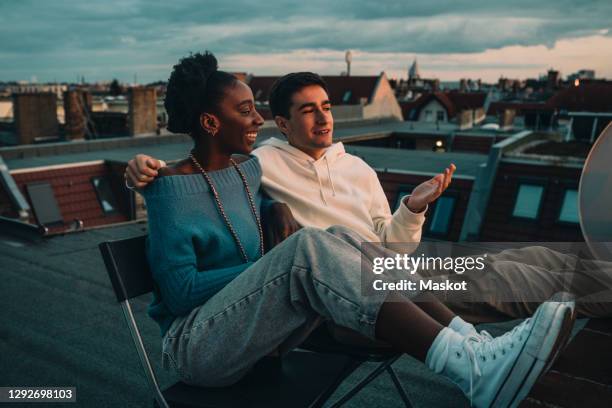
[[120, 35]]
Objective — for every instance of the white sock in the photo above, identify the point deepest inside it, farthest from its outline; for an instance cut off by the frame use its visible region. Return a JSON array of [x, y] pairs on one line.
[[438, 352], [461, 326]]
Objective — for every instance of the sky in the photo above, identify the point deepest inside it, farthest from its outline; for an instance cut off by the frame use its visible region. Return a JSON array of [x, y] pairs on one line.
[[140, 40]]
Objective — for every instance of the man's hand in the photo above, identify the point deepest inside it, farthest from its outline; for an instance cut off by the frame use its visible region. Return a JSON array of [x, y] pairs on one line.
[[141, 170], [428, 191], [277, 223]]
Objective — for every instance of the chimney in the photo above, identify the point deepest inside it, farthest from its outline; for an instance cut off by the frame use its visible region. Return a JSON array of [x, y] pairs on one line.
[[506, 118], [35, 116], [465, 119], [77, 105], [142, 117], [552, 79], [435, 85]]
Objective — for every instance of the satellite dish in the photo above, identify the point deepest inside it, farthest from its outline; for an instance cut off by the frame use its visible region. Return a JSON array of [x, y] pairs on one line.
[[595, 197]]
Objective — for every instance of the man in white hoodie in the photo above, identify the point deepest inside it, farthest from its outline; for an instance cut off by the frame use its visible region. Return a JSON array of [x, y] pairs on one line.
[[324, 186]]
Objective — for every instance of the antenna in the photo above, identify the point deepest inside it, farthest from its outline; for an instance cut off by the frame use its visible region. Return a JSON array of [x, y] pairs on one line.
[[348, 57]]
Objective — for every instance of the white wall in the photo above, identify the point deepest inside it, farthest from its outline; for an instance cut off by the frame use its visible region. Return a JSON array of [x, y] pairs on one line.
[[434, 107], [6, 110], [384, 103]]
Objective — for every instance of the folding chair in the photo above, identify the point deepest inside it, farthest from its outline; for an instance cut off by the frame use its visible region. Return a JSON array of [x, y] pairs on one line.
[[321, 341], [300, 379]]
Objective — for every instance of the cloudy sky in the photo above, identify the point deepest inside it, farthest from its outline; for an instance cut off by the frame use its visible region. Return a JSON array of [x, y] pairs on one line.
[[61, 39]]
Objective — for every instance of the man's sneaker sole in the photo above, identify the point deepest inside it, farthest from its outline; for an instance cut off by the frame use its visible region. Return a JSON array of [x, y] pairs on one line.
[[538, 353]]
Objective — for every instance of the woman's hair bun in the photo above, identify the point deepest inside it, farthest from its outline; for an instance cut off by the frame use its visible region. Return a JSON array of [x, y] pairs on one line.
[[186, 90]]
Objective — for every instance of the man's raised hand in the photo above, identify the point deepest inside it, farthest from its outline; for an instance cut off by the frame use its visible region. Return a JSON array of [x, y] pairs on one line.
[[428, 191], [141, 170]]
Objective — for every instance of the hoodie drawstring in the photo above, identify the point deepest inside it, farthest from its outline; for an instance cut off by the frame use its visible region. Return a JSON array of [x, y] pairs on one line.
[[320, 183], [331, 181]]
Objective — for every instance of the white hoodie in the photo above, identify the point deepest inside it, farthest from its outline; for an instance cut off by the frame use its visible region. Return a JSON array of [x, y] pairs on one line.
[[336, 189]]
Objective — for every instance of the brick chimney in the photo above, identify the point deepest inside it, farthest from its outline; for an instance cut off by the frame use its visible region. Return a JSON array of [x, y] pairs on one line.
[[465, 119], [506, 118], [552, 79], [142, 117], [35, 116], [77, 104]]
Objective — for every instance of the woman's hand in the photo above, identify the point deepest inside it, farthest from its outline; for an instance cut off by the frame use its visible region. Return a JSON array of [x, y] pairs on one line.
[[428, 191], [141, 170], [277, 223]]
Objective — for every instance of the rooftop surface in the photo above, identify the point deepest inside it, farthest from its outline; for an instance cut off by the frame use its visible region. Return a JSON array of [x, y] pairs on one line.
[[418, 161], [61, 326], [170, 147], [573, 148]]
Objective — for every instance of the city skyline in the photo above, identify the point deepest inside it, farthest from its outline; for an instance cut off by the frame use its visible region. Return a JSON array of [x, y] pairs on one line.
[[450, 39]]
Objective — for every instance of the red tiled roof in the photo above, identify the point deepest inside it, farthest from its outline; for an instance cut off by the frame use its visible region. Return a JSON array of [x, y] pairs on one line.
[[589, 96], [260, 85], [407, 107], [360, 87], [453, 102], [446, 102], [74, 192], [467, 100]]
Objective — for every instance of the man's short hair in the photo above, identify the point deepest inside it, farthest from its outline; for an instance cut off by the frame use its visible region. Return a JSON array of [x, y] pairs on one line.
[[283, 89]]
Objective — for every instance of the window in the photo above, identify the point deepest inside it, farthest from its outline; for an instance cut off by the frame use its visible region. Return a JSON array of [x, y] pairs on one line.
[[107, 199], [569, 208], [347, 97], [44, 204], [440, 116], [427, 115], [528, 201], [443, 213]]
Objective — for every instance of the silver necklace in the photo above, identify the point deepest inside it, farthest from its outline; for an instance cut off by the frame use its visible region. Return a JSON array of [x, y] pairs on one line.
[[222, 210]]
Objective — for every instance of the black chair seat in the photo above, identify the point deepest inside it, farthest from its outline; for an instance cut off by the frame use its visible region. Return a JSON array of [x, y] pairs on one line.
[[297, 382], [322, 341]]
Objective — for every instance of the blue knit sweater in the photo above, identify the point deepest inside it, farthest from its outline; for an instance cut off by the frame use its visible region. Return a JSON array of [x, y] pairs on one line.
[[191, 251]]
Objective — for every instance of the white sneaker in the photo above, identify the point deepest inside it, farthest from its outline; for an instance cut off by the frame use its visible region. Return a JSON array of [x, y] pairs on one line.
[[500, 371]]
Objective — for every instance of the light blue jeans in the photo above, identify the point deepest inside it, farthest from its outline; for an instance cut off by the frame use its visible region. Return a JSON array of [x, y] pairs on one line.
[[313, 275]]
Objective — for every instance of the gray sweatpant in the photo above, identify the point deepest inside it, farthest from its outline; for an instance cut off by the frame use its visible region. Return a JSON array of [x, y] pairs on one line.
[[274, 304], [515, 282], [526, 277]]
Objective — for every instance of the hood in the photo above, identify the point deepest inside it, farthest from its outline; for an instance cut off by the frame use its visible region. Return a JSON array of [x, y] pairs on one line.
[[333, 152], [324, 163]]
